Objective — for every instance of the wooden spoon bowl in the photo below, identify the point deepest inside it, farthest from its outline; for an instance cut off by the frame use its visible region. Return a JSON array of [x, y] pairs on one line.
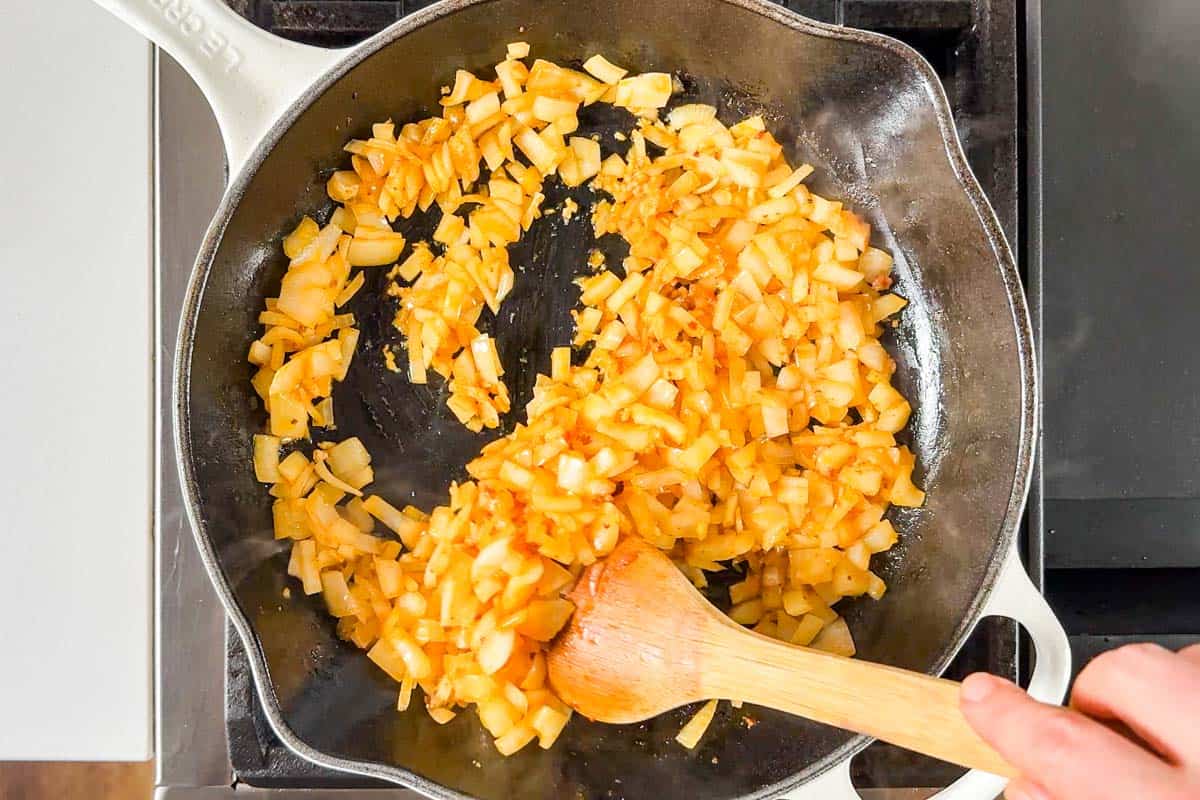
[[643, 640]]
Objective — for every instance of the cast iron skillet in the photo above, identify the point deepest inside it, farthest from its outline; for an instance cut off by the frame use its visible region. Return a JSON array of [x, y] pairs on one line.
[[862, 108]]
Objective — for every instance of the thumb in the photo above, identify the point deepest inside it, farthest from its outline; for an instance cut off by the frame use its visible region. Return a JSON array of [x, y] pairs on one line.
[[1061, 750]]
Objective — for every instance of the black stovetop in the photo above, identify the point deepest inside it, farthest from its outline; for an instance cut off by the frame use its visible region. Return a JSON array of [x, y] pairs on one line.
[[1122, 376]]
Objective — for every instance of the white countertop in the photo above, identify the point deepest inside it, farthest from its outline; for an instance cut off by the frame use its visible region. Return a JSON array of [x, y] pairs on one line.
[[75, 318]]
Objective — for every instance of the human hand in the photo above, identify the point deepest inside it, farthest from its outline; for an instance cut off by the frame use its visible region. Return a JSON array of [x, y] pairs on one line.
[[1077, 753]]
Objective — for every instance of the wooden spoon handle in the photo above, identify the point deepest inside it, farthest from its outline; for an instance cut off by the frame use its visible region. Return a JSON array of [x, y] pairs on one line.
[[909, 709]]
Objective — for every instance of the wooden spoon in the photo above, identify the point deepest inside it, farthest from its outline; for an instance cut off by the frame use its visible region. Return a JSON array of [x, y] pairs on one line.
[[643, 640]]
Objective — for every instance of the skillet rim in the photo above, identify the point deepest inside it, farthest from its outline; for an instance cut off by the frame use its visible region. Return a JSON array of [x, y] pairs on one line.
[[181, 375]]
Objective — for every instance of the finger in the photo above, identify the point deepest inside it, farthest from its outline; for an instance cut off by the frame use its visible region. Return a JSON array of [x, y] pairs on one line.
[[1066, 753], [1152, 691], [1191, 653], [1025, 789]]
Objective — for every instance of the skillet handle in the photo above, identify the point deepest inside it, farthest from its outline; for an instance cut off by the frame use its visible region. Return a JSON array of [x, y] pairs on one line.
[[250, 77], [1013, 596]]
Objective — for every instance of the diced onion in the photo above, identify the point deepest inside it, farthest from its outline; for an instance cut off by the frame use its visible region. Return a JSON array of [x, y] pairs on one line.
[[375, 252], [300, 238], [736, 407], [603, 70], [548, 722], [337, 594], [835, 638], [690, 734], [266, 458], [645, 91]]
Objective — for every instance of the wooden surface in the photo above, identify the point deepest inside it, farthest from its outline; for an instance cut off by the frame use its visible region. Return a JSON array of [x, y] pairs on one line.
[[643, 640], [63, 780]]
